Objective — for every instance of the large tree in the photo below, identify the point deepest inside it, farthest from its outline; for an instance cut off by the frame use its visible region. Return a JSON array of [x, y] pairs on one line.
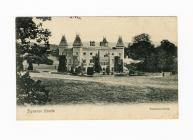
[[167, 56], [118, 64], [31, 40], [31, 45], [62, 64], [140, 48], [153, 59], [97, 66]]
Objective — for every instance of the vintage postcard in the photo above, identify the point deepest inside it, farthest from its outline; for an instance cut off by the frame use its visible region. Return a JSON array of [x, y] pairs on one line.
[[107, 68]]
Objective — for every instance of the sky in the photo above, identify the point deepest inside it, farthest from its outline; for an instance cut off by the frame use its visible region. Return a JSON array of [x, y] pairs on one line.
[[95, 28]]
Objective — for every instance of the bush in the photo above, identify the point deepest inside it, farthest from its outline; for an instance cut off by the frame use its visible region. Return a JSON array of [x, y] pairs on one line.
[[90, 71], [78, 70], [30, 91], [30, 67], [49, 62], [108, 70]]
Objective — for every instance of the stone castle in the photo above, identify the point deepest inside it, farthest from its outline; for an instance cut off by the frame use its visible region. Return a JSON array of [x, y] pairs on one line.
[[79, 54]]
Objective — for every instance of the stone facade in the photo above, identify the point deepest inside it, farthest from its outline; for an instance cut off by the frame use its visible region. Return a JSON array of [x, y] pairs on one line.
[[80, 55]]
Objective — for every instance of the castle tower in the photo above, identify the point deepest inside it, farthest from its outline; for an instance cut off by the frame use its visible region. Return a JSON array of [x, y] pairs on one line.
[[120, 42], [63, 42], [104, 42], [77, 51], [63, 45], [77, 42], [120, 48]]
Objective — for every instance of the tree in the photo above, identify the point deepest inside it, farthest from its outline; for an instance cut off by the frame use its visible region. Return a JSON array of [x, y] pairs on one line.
[[118, 66], [169, 47], [78, 70], [175, 66], [97, 66], [141, 47], [153, 59], [31, 44], [142, 38], [62, 64], [108, 70], [166, 56], [31, 38]]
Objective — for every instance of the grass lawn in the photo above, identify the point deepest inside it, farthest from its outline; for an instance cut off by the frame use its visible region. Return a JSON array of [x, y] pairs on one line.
[[154, 90]]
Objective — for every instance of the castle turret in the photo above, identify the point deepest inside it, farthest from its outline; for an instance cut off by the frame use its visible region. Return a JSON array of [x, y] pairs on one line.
[[120, 42], [63, 42], [77, 42], [104, 42]]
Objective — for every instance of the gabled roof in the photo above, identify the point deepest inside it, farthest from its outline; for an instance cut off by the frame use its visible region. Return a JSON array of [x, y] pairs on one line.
[[63, 41], [77, 41], [120, 42]]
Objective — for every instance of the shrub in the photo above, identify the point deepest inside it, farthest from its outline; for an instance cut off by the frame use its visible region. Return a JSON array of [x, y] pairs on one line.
[[108, 70], [90, 71], [30, 91], [78, 70], [49, 62], [62, 64], [30, 67]]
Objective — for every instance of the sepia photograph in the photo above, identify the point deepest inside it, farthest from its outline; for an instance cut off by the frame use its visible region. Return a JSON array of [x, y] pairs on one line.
[[96, 70], [96, 67]]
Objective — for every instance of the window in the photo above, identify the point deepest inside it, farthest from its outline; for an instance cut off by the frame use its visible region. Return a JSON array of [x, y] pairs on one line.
[[119, 54], [84, 53], [90, 53], [91, 60], [76, 53], [102, 63], [112, 53], [106, 55], [84, 60], [112, 69]]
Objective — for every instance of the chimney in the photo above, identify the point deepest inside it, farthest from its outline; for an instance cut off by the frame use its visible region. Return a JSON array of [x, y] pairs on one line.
[[92, 43]]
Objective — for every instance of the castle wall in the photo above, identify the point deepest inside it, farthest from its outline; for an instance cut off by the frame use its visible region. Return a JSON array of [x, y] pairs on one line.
[[78, 56], [87, 57]]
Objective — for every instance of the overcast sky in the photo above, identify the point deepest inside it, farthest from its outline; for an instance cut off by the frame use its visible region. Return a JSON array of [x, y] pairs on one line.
[[94, 28]]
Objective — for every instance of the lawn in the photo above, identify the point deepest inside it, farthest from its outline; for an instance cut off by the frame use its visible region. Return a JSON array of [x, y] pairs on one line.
[[138, 90]]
